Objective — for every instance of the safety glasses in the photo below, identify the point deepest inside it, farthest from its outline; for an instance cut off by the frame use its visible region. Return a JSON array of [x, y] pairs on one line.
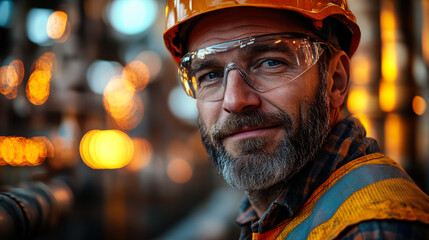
[[265, 62]]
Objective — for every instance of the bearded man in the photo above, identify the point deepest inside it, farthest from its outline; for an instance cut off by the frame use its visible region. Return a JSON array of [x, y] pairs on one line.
[[271, 79]]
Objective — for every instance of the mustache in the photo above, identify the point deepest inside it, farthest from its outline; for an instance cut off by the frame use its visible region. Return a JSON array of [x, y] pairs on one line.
[[237, 121]]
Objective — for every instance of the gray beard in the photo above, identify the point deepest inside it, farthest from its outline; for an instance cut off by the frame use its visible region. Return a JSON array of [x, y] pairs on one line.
[[258, 169]]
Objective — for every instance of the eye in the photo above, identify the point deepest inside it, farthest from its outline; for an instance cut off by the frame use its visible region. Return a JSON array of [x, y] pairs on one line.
[[272, 62], [270, 65], [210, 78]]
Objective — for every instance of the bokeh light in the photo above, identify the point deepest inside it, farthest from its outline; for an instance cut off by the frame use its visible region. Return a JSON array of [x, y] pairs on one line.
[[99, 74], [394, 128], [143, 152], [11, 77], [358, 100], [153, 62], [182, 106], [388, 36], [388, 96], [20, 151], [179, 171], [6, 9], [38, 85], [37, 21], [57, 24], [106, 149], [132, 16], [136, 75], [122, 104], [419, 105]]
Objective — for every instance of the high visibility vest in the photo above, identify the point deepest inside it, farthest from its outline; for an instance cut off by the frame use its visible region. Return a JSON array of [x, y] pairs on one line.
[[373, 187]]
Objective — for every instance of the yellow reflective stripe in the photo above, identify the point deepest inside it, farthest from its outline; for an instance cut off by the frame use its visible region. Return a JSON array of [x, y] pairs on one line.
[[395, 198], [376, 158]]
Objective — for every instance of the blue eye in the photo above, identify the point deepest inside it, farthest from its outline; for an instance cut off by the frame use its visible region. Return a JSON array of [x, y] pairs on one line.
[[213, 75], [272, 62], [210, 78]]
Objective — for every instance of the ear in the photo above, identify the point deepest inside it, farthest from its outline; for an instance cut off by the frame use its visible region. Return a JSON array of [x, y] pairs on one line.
[[338, 78]]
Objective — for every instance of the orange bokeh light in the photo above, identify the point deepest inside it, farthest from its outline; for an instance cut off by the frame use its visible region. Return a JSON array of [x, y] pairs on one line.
[[136, 75], [358, 100], [123, 105], [419, 105], [10, 78], [20, 151], [57, 24], [38, 87], [388, 96], [46, 62], [179, 171], [108, 149], [143, 152]]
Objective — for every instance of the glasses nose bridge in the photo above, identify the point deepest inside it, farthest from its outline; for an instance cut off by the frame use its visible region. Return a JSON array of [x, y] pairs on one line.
[[233, 66]]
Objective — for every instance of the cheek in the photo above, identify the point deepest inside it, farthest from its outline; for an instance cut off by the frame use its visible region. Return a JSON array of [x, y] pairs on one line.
[[209, 112]]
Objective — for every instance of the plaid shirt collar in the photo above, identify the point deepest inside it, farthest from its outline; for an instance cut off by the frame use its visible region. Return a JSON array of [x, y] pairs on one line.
[[346, 142]]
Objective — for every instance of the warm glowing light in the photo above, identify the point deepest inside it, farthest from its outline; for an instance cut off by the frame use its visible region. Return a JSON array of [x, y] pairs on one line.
[[38, 87], [425, 30], [46, 62], [57, 23], [123, 105], [136, 75], [366, 123], [419, 105], [361, 73], [358, 101], [389, 64], [143, 152], [387, 96], [179, 170], [11, 77], [108, 149], [20, 151], [153, 62], [393, 130]]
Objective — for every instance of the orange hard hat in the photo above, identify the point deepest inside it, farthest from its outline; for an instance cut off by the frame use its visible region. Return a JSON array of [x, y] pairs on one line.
[[179, 12]]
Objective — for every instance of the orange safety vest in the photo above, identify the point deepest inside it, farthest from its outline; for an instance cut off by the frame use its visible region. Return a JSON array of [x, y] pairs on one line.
[[373, 187]]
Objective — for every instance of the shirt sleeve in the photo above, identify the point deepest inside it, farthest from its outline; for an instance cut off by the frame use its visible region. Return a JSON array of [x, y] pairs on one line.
[[386, 229]]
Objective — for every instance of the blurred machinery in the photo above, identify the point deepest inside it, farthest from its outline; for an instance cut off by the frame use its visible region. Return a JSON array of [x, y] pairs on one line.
[[33, 208]]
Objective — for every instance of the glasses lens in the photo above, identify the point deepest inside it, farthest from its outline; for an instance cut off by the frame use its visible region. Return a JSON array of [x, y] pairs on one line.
[[265, 62]]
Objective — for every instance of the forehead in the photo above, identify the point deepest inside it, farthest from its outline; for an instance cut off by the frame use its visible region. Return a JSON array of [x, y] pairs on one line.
[[236, 23]]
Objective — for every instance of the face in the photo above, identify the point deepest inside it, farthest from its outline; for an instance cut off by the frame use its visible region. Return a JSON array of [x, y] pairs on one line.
[[259, 139]]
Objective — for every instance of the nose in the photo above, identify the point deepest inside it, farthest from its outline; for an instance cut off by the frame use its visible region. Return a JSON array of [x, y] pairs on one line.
[[239, 96]]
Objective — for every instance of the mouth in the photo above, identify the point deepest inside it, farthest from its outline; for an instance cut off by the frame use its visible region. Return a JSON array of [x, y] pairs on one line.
[[252, 132]]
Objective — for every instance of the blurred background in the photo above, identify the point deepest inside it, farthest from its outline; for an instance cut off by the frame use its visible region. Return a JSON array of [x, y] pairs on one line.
[[98, 141]]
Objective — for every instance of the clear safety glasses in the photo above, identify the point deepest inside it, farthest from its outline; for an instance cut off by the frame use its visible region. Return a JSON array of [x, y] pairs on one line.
[[264, 62]]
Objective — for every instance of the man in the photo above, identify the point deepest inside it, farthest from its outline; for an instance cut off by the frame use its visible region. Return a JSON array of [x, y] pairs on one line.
[[270, 79]]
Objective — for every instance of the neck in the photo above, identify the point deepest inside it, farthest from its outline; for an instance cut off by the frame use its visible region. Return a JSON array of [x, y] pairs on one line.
[[261, 199]]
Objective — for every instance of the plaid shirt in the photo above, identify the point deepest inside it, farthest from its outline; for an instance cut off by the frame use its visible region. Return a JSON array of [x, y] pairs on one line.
[[345, 143]]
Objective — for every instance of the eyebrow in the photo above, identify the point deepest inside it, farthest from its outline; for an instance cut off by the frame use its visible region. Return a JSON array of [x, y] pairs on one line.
[[251, 50], [204, 63], [246, 52]]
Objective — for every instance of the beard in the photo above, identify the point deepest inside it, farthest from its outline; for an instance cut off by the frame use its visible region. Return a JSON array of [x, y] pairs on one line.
[[256, 168]]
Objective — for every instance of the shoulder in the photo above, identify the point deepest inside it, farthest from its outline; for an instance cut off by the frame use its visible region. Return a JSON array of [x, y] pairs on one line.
[[386, 229]]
